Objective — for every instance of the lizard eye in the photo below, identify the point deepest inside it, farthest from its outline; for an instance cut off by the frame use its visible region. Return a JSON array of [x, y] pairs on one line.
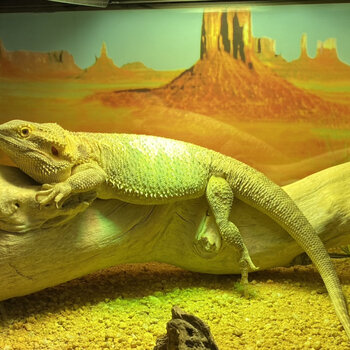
[[54, 151], [25, 131]]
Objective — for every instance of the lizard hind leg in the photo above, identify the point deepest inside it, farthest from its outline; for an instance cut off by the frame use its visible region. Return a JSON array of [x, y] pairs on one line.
[[220, 198]]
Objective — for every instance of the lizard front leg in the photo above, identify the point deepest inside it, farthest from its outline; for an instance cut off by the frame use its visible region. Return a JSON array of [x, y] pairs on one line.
[[220, 197], [85, 177]]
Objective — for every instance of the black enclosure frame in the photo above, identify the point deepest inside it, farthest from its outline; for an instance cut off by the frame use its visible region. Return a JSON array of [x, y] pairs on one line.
[[49, 6]]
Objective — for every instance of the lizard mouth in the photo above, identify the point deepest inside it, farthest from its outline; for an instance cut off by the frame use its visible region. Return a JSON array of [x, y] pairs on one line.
[[12, 146]]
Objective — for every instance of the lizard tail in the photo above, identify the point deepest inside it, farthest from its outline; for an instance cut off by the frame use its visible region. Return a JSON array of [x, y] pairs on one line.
[[317, 252], [257, 190]]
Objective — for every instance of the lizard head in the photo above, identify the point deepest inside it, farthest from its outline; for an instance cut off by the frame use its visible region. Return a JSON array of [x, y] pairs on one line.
[[41, 150]]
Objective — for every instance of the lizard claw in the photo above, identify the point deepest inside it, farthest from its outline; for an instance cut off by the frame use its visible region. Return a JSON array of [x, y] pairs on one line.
[[246, 261], [46, 192], [57, 193]]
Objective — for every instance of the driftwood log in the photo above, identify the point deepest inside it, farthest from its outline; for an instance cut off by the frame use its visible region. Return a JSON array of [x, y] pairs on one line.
[[50, 246]]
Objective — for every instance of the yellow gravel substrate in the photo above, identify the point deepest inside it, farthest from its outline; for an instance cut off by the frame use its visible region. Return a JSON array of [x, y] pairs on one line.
[[127, 307]]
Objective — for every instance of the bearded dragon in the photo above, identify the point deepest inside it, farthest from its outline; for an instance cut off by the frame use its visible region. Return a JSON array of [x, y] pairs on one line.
[[151, 170]]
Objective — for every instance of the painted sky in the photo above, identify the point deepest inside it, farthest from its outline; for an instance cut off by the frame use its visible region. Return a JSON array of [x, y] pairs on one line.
[[168, 38]]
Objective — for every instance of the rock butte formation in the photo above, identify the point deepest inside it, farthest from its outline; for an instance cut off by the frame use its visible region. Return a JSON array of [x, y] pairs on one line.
[[229, 32], [136, 66], [229, 87], [265, 50], [303, 46], [26, 64], [142, 73], [104, 69], [327, 51], [325, 66]]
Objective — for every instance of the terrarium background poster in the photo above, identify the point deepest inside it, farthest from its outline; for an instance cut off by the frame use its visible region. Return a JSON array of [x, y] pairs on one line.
[[268, 85]]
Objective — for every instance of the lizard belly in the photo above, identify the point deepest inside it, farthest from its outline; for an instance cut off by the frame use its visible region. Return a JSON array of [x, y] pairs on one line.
[[155, 171], [152, 188], [147, 199]]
